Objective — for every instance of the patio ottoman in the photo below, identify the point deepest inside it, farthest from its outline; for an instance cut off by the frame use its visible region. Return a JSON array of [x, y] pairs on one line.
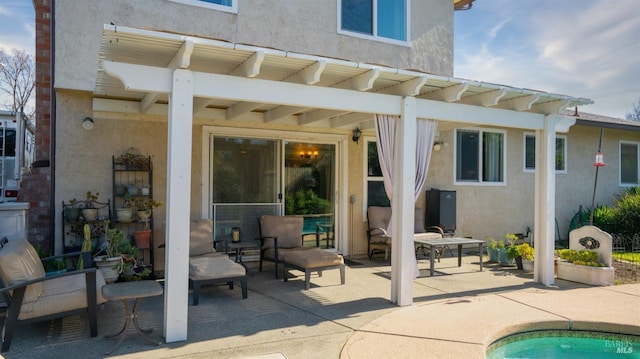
[[313, 260]]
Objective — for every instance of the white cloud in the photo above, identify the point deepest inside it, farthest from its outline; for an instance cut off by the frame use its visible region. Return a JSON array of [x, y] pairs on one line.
[[587, 48], [4, 11]]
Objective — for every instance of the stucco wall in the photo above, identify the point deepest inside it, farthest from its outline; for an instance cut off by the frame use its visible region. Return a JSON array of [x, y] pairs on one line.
[[300, 26], [492, 211], [83, 157]]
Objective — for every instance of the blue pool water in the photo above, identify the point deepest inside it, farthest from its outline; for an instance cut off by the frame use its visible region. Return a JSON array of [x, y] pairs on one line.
[[565, 344]]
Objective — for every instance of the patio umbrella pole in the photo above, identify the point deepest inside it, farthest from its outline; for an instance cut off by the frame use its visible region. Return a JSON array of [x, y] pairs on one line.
[[595, 183]]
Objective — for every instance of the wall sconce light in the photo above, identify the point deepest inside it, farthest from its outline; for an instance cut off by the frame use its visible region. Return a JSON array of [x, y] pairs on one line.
[[308, 154], [87, 123], [437, 145], [356, 135]]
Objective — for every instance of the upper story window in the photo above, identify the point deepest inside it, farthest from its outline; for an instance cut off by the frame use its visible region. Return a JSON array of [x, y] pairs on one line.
[[222, 5], [629, 164], [380, 19], [375, 194], [480, 157], [530, 153]]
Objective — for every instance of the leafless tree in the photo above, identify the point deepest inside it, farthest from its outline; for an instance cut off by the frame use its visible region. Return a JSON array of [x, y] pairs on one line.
[[634, 114], [17, 80]]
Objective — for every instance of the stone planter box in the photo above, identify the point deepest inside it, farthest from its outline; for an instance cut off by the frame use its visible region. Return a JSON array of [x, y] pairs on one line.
[[585, 274]]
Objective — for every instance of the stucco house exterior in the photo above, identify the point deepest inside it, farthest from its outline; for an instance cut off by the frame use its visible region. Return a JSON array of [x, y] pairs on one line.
[[242, 106]]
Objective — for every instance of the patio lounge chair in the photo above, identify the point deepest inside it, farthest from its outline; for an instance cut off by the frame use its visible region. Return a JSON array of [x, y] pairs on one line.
[[208, 267], [278, 236], [378, 221], [32, 296]]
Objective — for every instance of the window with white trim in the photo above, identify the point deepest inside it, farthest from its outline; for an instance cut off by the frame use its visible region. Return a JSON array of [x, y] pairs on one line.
[[629, 164], [530, 153], [374, 195], [222, 5], [379, 19], [480, 157]]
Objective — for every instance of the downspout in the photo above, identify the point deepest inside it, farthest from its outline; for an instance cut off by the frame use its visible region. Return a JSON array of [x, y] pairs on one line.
[[52, 124]]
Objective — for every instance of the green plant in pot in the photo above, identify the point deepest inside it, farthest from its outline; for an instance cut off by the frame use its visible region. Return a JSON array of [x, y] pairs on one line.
[[526, 255], [109, 261], [125, 213], [71, 210], [492, 249], [144, 206], [89, 211], [128, 268]]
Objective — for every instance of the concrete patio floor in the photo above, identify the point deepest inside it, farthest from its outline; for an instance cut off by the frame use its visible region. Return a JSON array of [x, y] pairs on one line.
[[456, 314]]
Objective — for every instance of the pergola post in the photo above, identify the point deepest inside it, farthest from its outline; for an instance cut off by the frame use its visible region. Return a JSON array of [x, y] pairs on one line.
[[545, 203], [402, 248], [176, 294]]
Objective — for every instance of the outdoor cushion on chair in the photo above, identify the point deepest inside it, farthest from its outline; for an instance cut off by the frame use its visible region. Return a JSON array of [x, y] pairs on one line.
[[313, 260], [278, 236], [208, 267], [31, 296]]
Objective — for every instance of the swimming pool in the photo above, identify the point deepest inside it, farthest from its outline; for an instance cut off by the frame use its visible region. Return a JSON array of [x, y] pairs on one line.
[[566, 344]]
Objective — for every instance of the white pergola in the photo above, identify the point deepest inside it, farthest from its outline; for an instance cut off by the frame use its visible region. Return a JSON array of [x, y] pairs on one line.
[[182, 77]]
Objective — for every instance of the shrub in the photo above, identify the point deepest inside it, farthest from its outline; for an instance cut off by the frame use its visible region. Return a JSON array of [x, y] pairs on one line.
[[628, 211], [605, 218], [581, 257]]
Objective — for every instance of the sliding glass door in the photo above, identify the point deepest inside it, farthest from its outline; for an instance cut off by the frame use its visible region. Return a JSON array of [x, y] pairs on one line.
[[310, 187], [250, 177], [244, 185]]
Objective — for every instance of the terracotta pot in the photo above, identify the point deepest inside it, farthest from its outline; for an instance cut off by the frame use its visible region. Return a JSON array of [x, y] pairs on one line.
[[142, 239]]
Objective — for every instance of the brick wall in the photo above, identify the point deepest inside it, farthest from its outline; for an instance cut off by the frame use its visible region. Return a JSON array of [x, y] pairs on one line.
[[36, 187]]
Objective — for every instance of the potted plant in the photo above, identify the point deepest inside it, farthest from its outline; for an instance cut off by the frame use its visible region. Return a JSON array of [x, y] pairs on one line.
[[109, 261], [71, 210], [125, 213], [526, 255], [492, 250], [507, 254], [128, 268], [89, 211], [144, 206]]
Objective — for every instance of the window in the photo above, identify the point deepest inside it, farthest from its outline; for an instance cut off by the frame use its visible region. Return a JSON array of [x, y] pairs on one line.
[[383, 19], [375, 194], [629, 164], [530, 153], [480, 156], [222, 5]]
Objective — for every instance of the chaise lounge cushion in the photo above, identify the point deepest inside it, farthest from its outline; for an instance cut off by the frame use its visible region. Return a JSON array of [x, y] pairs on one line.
[[219, 267], [288, 230], [201, 237], [19, 262]]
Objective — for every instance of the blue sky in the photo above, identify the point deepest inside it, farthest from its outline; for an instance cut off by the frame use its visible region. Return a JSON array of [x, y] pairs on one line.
[[580, 48]]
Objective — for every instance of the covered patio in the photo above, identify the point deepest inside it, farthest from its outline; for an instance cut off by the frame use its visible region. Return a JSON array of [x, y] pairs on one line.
[[194, 80], [282, 320]]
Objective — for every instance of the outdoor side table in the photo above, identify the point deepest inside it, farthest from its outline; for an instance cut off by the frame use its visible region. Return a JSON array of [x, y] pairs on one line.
[[126, 291], [240, 247]]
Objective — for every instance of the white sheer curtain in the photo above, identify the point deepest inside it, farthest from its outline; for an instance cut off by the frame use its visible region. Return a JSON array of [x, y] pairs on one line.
[[425, 133]]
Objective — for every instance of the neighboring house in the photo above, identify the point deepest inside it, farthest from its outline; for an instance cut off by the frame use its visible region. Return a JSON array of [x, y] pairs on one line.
[[245, 106]]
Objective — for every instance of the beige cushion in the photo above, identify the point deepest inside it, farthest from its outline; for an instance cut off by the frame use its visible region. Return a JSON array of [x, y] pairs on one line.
[[288, 230], [201, 237], [313, 258], [214, 267], [378, 217], [61, 295], [19, 262], [270, 253]]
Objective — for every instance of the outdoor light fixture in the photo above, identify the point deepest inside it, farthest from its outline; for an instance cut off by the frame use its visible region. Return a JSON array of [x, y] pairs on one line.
[[356, 135], [87, 123], [437, 145]]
